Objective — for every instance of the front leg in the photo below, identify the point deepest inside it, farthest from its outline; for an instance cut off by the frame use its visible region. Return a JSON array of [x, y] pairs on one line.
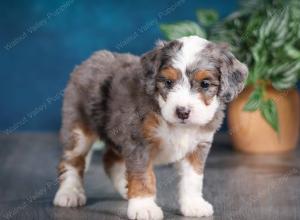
[[141, 188], [190, 169]]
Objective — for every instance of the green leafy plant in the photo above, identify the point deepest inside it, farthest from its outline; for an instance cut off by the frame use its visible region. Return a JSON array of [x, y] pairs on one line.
[[266, 35], [184, 28], [206, 19]]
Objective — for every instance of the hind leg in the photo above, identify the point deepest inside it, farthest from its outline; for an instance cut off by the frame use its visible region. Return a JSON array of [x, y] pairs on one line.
[[114, 167], [77, 140]]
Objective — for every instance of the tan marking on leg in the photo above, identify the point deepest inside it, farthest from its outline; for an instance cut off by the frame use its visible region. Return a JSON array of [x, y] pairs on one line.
[[71, 168], [77, 163], [82, 139], [141, 178], [141, 195], [195, 161], [151, 122], [141, 184], [191, 183]]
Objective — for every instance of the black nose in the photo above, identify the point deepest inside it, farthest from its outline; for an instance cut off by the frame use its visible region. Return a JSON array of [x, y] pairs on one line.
[[182, 113]]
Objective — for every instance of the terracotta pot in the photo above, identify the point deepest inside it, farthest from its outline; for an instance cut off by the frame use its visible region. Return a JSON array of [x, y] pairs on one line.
[[252, 134]]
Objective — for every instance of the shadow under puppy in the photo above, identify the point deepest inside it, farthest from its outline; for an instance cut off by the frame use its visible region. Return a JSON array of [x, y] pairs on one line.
[[163, 107]]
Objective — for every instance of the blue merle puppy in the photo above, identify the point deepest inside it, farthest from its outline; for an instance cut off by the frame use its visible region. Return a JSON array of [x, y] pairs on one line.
[[163, 107]]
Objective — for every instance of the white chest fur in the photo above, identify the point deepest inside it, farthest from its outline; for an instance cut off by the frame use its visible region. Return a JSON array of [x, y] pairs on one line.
[[178, 141]]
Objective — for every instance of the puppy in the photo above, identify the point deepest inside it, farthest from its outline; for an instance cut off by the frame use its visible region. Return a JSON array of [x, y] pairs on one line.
[[163, 107]]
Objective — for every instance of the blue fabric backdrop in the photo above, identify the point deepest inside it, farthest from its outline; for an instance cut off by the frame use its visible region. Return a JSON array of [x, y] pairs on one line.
[[41, 41]]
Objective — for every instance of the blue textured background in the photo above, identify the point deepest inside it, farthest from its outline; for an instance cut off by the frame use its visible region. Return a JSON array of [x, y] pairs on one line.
[[41, 41]]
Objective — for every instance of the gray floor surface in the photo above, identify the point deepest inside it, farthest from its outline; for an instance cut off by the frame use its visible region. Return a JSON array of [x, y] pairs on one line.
[[239, 186]]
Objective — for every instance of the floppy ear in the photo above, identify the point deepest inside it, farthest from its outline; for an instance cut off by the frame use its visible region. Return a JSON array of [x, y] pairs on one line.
[[233, 76], [151, 62]]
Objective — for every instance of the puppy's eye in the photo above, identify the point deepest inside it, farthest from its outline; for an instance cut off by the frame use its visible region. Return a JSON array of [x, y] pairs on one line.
[[205, 84], [169, 83]]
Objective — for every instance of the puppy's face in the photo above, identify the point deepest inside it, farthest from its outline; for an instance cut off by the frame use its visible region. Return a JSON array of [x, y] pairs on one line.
[[187, 97], [190, 77]]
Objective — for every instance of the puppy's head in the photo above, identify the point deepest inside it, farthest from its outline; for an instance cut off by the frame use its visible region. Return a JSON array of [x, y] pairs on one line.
[[190, 77]]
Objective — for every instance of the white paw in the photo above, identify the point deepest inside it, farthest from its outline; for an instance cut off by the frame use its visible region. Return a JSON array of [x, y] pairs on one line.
[[70, 197], [144, 209], [196, 207]]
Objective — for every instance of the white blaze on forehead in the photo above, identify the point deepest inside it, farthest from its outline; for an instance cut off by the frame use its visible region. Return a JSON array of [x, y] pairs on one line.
[[191, 46]]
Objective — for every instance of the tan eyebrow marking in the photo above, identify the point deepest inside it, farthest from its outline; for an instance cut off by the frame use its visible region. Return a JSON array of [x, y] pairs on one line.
[[170, 73], [205, 74], [202, 74]]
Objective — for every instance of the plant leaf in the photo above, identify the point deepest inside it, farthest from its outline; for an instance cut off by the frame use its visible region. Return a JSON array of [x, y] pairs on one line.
[[254, 100], [181, 29], [269, 112], [207, 17], [292, 52], [288, 78]]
